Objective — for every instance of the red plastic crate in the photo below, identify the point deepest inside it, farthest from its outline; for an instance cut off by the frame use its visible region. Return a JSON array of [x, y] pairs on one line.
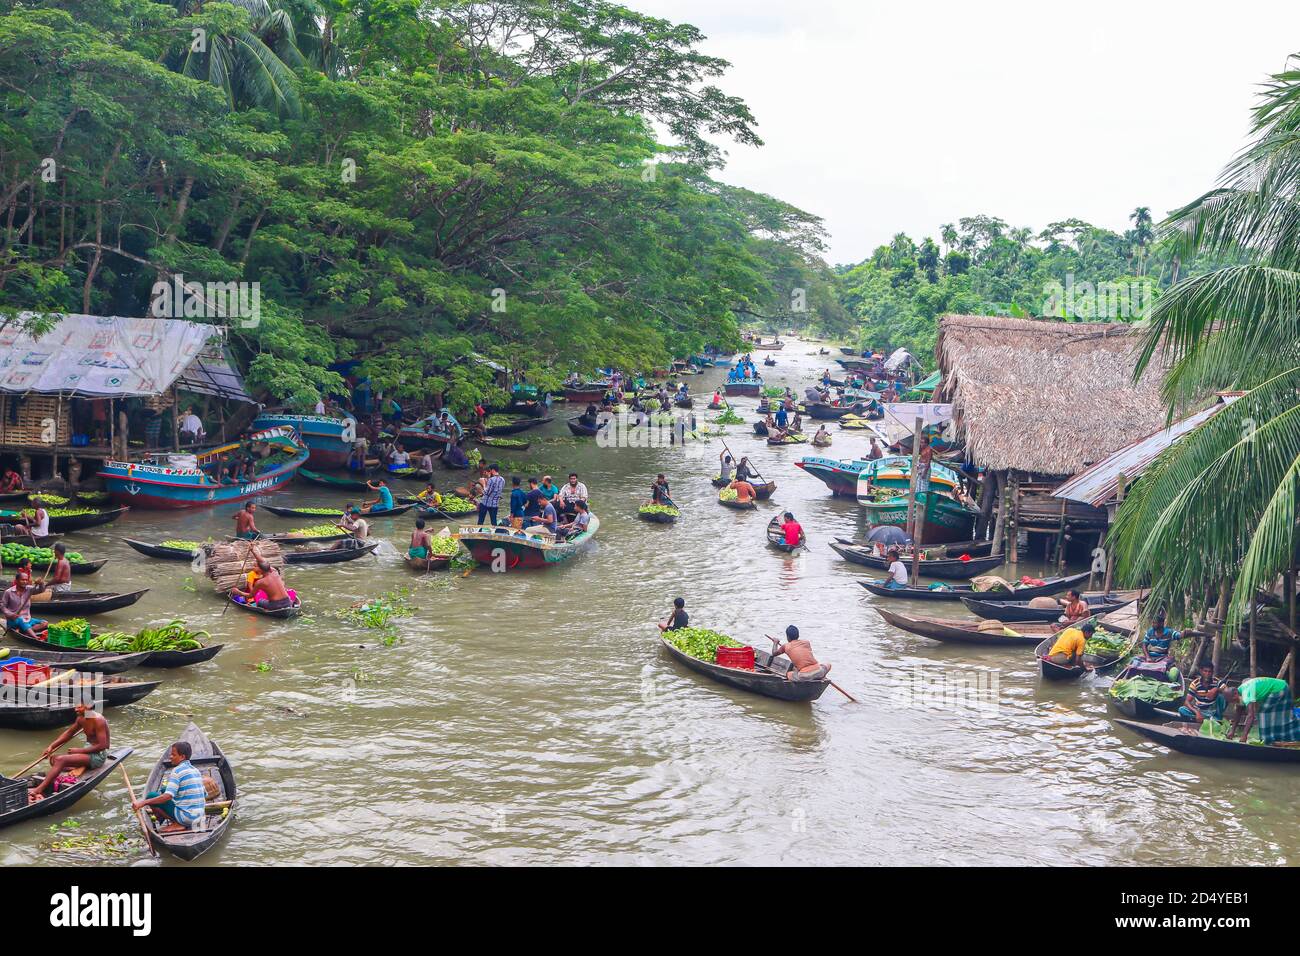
[[24, 674], [741, 658]]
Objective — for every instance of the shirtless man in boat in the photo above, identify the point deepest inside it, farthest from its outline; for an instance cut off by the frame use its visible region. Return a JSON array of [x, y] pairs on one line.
[[799, 651], [277, 595], [62, 570], [245, 525], [420, 541], [92, 756]]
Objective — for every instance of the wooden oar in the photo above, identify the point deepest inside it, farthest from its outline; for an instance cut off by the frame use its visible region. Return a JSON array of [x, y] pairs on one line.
[[139, 815], [828, 680], [48, 753]]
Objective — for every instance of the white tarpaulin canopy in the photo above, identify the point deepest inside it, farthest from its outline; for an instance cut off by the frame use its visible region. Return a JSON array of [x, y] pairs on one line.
[[100, 356], [900, 358]]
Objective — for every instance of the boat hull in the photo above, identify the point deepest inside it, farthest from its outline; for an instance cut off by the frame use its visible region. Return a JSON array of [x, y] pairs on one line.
[[841, 477], [508, 550], [945, 519], [329, 440], [743, 388]]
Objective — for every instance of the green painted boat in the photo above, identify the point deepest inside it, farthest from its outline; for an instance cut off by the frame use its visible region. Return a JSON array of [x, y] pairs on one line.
[[946, 519]]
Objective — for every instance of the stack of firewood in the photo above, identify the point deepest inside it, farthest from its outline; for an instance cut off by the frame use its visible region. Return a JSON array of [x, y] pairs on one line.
[[228, 563]]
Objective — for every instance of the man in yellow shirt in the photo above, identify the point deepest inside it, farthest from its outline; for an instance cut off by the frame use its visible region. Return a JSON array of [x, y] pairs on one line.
[[1069, 647]]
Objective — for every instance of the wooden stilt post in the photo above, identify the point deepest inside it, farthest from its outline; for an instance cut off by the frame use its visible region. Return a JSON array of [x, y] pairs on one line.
[[999, 492], [916, 509], [1013, 533]]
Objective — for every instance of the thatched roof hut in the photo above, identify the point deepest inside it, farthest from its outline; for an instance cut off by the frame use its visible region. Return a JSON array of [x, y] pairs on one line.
[[1044, 397]]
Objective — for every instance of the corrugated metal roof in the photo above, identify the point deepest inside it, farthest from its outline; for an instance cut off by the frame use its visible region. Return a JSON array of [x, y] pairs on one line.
[[1099, 483]]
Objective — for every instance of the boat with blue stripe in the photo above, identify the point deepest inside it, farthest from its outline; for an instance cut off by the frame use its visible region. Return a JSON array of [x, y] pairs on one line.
[[168, 480], [328, 439]]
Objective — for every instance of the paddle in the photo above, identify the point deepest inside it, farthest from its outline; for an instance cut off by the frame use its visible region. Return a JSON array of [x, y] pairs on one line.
[[47, 753], [828, 680], [139, 815]]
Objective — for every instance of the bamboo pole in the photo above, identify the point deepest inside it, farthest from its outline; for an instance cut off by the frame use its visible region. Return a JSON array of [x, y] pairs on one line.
[[1014, 531], [999, 490], [1254, 646], [917, 518]]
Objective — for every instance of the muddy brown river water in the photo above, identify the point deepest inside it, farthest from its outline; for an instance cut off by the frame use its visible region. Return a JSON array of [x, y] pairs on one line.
[[531, 718]]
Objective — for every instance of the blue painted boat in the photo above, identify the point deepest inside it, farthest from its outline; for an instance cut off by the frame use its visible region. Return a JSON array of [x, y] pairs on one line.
[[328, 439], [429, 431], [841, 477], [169, 480]]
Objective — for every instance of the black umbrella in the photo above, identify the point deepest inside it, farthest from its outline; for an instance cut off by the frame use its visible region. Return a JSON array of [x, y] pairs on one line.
[[888, 534]]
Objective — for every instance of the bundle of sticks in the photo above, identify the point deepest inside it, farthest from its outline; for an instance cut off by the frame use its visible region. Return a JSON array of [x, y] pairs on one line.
[[227, 563]]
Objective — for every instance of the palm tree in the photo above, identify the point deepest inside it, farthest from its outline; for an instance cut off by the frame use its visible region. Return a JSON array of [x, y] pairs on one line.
[[252, 67], [1221, 505], [1141, 235]]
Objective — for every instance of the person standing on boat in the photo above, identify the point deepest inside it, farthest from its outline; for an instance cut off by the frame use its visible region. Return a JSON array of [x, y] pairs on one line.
[[677, 618], [1070, 645], [799, 651], [492, 491], [181, 802], [724, 468], [420, 541], [92, 756], [1205, 698], [245, 524], [782, 417], [1266, 704], [744, 470], [16, 606]]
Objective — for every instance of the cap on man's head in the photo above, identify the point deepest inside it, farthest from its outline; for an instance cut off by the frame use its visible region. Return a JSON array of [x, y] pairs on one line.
[[792, 633]]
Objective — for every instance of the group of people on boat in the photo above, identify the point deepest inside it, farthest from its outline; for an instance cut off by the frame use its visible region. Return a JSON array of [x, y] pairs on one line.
[[263, 586], [544, 507], [744, 370]]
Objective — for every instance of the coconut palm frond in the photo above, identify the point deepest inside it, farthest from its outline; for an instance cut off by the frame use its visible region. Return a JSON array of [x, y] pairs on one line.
[[266, 80], [1214, 504]]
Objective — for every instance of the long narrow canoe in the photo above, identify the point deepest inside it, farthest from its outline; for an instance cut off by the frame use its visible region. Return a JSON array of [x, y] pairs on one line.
[[56, 707], [207, 758], [158, 551], [956, 592], [303, 513], [949, 568], [964, 632], [333, 555], [1021, 611], [65, 797], [1175, 738], [160, 659], [332, 481], [81, 603], [1054, 671], [767, 678], [90, 662]]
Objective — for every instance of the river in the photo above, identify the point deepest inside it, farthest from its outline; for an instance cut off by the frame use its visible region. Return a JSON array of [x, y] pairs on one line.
[[531, 717]]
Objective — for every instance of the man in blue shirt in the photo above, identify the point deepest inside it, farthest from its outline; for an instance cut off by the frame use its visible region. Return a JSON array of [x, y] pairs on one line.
[[182, 800], [781, 417], [491, 500], [518, 503], [385, 499]]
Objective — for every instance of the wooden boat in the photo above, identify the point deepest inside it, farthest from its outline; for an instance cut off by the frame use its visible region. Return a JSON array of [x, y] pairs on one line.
[[429, 511], [770, 346], [793, 438], [334, 555], [841, 477], [372, 513], [767, 677], [14, 495], [822, 443], [7, 533], [293, 610], [329, 440], [1196, 745], [161, 482], [90, 662], [300, 538], [508, 445], [760, 429], [333, 481], [55, 705], [950, 568], [434, 562], [1053, 671], [957, 591], [945, 518], [657, 517], [776, 537], [519, 549], [737, 505], [160, 659], [684, 402], [1019, 610], [158, 551], [954, 549], [1135, 709], [207, 758], [68, 795], [62, 524], [715, 407], [848, 351], [769, 361], [762, 489], [522, 424], [81, 603], [750, 387], [960, 632], [829, 413], [579, 427], [585, 394]]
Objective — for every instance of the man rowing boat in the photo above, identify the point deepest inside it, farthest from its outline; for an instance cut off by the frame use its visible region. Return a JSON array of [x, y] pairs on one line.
[[245, 524], [799, 651], [92, 756], [420, 541]]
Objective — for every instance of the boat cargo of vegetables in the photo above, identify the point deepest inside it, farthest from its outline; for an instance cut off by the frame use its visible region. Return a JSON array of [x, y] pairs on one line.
[[179, 481]]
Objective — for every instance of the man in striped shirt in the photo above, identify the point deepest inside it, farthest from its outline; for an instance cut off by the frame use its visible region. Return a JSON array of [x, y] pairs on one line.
[[491, 500], [182, 799]]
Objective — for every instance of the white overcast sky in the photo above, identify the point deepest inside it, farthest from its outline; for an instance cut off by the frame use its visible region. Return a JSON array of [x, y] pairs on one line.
[[889, 116]]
